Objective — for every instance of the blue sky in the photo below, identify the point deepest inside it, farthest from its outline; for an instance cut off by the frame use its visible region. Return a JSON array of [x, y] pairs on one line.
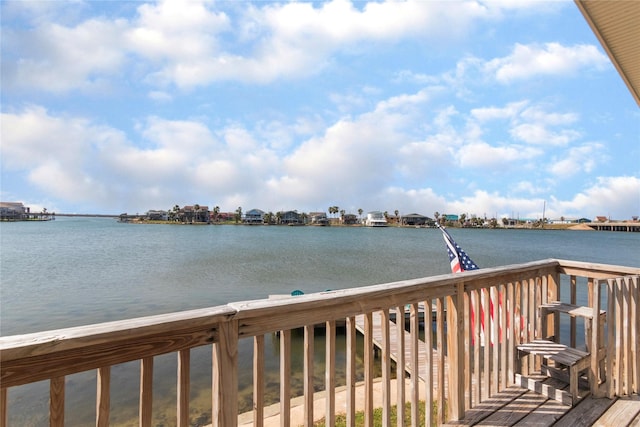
[[477, 107]]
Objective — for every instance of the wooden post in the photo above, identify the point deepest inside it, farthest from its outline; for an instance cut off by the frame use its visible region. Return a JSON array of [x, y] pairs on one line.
[[225, 375], [455, 347], [594, 371], [428, 378]]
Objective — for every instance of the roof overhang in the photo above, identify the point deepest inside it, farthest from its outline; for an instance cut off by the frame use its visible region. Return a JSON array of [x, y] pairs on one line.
[[617, 26]]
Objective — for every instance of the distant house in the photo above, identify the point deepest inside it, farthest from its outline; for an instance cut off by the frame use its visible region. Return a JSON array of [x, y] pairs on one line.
[[195, 213], [253, 216], [157, 215], [290, 217], [13, 211], [452, 218], [375, 219], [349, 219], [416, 219], [319, 218], [602, 219]]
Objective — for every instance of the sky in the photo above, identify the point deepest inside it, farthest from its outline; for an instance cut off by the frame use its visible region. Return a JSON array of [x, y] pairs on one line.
[[487, 108]]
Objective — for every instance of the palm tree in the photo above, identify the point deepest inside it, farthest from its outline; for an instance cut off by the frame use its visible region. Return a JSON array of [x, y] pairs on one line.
[[396, 212], [216, 212], [463, 219], [360, 213], [238, 215], [196, 211], [436, 215]]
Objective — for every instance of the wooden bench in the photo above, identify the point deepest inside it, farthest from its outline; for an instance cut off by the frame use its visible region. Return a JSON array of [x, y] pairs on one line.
[[574, 360]]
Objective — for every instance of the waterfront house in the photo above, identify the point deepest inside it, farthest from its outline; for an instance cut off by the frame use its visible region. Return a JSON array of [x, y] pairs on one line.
[[416, 219], [290, 217], [375, 219], [318, 218], [13, 211], [253, 216], [154, 215], [349, 219]]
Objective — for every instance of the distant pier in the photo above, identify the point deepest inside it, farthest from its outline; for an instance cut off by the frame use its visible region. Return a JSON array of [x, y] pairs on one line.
[[615, 226]]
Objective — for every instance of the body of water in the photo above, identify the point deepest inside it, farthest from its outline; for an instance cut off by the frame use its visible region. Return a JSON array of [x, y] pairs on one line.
[[77, 271]]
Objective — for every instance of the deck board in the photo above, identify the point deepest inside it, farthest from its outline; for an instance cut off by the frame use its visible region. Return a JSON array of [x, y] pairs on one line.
[[625, 408]]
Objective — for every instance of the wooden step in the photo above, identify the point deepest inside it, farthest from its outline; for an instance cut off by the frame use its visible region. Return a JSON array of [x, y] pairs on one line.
[[570, 309]]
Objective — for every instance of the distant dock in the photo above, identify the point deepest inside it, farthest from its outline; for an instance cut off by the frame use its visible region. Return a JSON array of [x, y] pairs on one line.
[[615, 226]]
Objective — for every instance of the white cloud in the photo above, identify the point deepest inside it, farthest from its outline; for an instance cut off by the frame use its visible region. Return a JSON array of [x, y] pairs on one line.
[[580, 159], [527, 61], [617, 197], [61, 58]]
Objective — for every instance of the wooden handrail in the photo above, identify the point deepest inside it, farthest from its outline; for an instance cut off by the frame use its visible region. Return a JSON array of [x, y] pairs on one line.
[[515, 292]]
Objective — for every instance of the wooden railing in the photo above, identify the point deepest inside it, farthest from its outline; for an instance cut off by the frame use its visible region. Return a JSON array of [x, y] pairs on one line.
[[470, 360]]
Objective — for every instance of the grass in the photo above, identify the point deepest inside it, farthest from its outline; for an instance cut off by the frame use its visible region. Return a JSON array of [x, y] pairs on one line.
[[377, 416]]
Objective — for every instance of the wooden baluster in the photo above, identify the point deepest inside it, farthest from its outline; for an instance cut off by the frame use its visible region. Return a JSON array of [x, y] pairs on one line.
[[428, 378], [351, 371], [414, 361], [330, 373], [400, 365], [504, 344], [466, 353], [309, 337], [103, 398], [477, 376], [285, 378], [511, 325], [572, 321], [184, 382], [258, 380], [56, 402], [146, 391], [611, 349], [455, 348], [4, 415], [368, 370], [494, 339], [386, 368], [440, 346], [486, 309]]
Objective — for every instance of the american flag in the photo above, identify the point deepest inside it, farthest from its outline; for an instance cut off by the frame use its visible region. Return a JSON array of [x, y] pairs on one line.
[[458, 258]]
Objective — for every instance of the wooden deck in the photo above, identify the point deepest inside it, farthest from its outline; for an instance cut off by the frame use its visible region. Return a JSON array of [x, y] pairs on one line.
[[516, 406]]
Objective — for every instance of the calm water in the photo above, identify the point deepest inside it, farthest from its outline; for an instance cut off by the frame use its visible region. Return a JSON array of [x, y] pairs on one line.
[[75, 271]]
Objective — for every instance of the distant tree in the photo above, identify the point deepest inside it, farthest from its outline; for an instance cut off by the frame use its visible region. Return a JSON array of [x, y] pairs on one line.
[[238, 215], [360, 212], [463, 219], [196, 211], [397, 212], [436, 215], [216, 213], [278, 217], [505, 221]]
